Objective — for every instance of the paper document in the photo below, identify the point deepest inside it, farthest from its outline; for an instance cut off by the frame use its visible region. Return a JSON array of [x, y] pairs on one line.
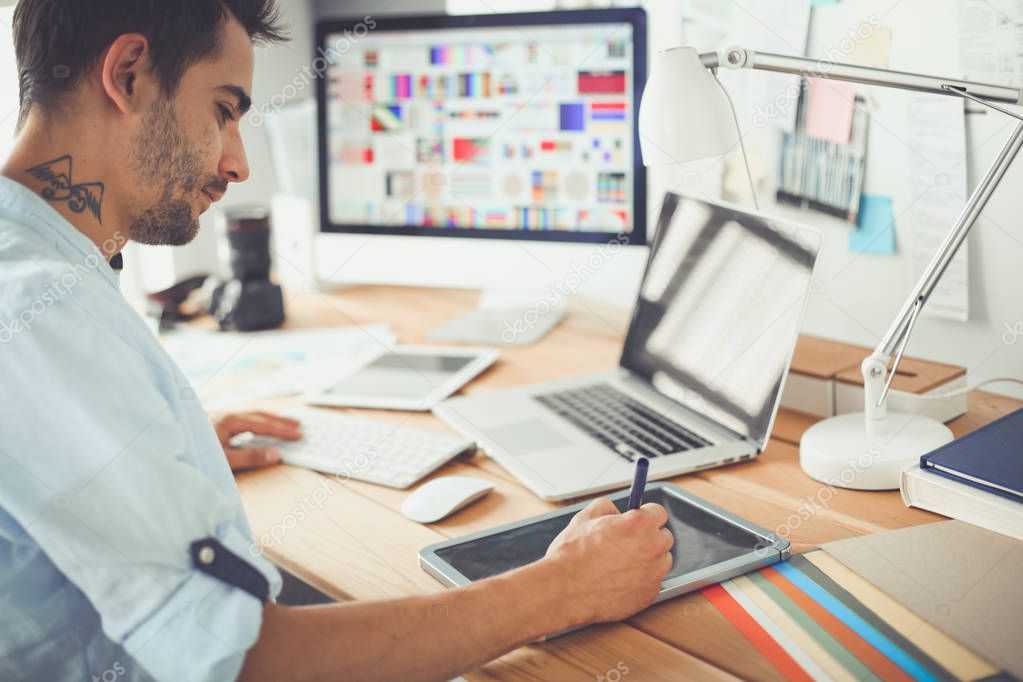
[[937, 163], [783, 28], [991, 40], [291, 135], [230, 368], [705, 24], [774, 26], [961, 579]]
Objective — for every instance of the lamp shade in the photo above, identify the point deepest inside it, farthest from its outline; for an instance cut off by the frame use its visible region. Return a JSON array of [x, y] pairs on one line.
[[684, 114]]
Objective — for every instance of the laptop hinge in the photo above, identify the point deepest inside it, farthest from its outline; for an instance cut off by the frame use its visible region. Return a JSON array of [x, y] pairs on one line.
[[710, 426]]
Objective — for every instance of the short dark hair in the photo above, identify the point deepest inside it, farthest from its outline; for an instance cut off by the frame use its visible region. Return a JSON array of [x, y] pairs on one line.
[[57, 42]]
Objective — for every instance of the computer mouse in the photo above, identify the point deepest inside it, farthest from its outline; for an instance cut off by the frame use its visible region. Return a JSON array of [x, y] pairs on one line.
[[442, 496]]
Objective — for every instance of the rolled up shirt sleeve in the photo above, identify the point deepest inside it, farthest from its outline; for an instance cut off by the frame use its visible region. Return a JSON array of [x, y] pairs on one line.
[[112, 468], [215, 622]]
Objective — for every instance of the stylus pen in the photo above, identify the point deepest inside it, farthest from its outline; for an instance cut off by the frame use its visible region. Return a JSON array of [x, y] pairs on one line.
[[638, 483]]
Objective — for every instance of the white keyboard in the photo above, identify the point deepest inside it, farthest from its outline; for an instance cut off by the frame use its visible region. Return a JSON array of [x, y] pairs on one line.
[[386, 453]]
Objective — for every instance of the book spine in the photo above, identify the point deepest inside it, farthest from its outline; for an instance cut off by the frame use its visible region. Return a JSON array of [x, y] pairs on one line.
[[905, 481]]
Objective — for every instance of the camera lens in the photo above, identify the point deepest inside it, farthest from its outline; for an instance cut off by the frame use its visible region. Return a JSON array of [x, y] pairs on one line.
[[248, 234]]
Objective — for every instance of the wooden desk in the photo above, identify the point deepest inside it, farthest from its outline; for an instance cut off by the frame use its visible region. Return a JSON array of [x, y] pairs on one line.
[[357, 545]]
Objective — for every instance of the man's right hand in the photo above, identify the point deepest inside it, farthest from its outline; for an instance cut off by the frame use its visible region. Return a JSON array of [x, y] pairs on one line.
[[604, 566], [616, 560]]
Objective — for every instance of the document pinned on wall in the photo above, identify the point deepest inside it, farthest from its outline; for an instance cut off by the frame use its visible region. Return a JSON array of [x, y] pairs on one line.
[[875, 226], [990, 49], [705, 24], [775, 26], [291, 134], [937, 162]]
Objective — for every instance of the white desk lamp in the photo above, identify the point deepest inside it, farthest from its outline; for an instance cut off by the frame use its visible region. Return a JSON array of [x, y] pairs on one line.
[[685, 115]]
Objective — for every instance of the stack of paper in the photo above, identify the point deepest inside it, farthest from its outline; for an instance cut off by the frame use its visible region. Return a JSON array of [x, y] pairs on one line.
[[963, 581], [817, 617], [229, 368]]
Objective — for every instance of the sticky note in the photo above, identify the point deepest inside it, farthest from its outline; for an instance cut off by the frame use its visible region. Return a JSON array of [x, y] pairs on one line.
[[875, 226], [829, 113], [872, 46], [818, 3]]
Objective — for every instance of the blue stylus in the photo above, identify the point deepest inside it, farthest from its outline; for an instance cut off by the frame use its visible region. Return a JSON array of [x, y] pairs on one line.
[[638, 483]]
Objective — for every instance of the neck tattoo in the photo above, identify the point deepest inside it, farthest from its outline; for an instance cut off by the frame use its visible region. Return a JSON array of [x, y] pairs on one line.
[[78, 197]]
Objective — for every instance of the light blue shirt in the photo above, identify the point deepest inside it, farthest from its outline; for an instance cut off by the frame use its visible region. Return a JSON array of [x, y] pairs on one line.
[[109, 470]]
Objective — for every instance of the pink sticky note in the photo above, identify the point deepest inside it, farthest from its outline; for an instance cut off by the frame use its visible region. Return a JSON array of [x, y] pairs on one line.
[[829, 112]]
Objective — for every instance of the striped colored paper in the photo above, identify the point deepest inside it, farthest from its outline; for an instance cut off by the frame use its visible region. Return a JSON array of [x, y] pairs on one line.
[[814, 619]]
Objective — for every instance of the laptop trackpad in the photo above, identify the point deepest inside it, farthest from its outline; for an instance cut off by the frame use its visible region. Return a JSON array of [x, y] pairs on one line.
[[525, 437]]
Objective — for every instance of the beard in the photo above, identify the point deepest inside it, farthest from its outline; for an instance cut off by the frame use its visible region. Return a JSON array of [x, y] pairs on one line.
[[162, 157]]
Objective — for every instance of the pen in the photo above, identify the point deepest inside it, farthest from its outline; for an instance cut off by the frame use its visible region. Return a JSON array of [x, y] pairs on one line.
[[638, 483]]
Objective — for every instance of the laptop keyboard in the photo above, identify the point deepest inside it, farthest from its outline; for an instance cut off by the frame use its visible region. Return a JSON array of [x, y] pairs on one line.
[[623, 424]]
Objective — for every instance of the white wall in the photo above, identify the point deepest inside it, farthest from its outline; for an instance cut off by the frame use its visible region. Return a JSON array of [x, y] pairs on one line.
[[861, 293]]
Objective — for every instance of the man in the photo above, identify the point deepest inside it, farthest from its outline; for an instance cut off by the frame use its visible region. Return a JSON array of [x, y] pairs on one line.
[[123, 545]]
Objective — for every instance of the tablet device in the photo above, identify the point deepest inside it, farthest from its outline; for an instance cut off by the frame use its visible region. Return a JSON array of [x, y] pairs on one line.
[[711, 544], [407, 378]]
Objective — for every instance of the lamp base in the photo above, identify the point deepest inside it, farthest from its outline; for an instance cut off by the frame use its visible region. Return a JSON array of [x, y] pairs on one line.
[[838, 451]]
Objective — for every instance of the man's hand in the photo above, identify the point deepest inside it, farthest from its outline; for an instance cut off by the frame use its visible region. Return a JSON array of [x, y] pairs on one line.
[[604, 566], [258, 423], [618, 560]]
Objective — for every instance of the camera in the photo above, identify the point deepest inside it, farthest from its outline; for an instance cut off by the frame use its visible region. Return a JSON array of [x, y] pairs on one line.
[[248, 301]]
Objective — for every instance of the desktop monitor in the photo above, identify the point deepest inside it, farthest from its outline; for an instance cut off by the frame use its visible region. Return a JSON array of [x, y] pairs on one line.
[[481, 128]]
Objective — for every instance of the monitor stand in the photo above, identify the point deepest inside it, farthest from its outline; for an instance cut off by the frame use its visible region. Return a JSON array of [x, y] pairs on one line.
[[505, 318]]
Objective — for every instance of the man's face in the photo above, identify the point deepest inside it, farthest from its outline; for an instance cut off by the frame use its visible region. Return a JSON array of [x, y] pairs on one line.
[[188, 147]]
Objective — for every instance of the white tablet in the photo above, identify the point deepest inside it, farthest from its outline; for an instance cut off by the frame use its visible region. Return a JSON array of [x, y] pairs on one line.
[[407, 378], [711, 544]]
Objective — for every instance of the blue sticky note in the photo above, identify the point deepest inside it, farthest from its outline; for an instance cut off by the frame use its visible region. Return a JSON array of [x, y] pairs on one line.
[[875, 226], [818, 3]]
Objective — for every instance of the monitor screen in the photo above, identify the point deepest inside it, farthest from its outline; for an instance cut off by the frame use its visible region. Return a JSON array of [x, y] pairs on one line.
[[719, 310], [518, 126]]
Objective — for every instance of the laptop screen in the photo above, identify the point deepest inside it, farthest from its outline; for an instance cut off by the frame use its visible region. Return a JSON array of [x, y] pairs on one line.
[[719, 311]]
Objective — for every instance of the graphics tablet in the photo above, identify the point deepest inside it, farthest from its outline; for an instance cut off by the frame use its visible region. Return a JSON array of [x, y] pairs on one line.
[[711, 544]]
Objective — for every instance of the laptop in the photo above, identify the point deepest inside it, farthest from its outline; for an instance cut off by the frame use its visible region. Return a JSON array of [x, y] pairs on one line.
[[700, 375]]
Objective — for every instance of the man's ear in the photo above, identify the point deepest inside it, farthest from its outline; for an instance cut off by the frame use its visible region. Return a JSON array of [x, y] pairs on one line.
[[124, 64]]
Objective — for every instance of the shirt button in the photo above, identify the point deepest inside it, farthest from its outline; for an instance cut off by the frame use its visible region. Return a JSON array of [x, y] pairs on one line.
[[206, 555]]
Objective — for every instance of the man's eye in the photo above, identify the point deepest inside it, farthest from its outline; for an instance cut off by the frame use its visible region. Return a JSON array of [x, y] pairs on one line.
[[225, 113]]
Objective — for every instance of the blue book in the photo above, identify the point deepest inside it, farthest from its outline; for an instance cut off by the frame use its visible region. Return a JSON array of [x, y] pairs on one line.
[[990, 458]]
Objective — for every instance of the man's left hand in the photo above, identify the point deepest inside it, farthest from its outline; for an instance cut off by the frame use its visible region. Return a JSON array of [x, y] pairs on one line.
[[260, 424]]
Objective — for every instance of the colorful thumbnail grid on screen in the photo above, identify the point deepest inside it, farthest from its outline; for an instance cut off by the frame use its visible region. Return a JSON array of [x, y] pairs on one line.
[[485, 128]]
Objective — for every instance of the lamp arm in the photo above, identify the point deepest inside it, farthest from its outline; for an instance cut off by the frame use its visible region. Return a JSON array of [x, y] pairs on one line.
[[741, 58], [875, 367], [903, 323]]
